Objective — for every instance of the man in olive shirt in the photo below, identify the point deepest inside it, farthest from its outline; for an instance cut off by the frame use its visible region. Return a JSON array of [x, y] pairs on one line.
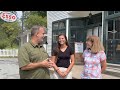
[[32, 57]]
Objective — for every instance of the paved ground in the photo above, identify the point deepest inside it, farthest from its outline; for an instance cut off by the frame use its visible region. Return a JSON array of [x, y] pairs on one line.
[[9, 69]]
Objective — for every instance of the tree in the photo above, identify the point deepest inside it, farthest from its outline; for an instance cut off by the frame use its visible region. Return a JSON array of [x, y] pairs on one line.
[[35, 19], [31, 18], [40, 13], [10, 32]]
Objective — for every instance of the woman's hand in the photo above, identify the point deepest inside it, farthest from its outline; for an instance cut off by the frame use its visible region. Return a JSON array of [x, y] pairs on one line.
[[62, 74], [65, 73]]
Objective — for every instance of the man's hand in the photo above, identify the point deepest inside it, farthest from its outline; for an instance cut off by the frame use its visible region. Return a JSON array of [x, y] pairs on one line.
[[47, 63]]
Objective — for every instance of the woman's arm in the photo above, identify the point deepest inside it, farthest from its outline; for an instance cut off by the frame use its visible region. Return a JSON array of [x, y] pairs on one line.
[[103, 61], [54, 60], [103, 65], [72, 58]]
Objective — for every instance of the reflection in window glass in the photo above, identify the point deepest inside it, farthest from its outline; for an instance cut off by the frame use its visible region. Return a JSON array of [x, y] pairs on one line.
[[61, 25], [61, 32], [110, 29], [117, 28], [55, 26], [110, 12], [117, 11], [55, 37], [77, 22]]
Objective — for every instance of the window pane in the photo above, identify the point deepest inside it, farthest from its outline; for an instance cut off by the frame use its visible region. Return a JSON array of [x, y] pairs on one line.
[[62, 25], [61, 32], [117, 28], [95, 31], [55, 37], [55, 26], [117, 11], [110, 29], [89, 32], [110, 12], [77, 23]]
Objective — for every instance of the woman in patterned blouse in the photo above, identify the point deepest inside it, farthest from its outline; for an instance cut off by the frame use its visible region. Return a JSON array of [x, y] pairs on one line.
[[94, 59]]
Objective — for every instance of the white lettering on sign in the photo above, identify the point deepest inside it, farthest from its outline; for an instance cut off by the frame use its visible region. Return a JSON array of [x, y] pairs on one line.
[[8, 16]]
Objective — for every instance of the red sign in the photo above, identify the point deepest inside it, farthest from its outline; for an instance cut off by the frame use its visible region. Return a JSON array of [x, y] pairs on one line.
[[8, 16]]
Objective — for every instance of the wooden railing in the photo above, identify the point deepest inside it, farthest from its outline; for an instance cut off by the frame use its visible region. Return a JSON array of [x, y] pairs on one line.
[[8, 52]]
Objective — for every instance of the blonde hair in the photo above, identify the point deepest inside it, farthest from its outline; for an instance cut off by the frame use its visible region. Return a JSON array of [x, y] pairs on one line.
[[97, 46]]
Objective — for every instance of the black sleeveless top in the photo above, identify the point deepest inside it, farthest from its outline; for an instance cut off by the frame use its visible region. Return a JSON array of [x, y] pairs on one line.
[[63, 58]]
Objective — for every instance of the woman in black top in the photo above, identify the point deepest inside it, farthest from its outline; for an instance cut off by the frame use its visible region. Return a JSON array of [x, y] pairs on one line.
[[63, 56]]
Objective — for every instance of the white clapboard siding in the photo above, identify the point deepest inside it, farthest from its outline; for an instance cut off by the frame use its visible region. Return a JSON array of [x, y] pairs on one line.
[[54, 16], [8, 52]]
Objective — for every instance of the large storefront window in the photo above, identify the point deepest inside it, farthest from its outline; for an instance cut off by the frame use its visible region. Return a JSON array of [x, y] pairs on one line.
[[77, 32], [80, 28], [113, 39], [114, 29]]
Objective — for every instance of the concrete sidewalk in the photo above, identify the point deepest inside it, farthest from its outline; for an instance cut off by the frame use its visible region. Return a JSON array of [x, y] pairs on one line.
[[9, 69], [77, 69]]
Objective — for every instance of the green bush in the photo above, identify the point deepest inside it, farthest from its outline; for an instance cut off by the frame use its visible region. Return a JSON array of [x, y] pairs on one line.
[[3, 44]]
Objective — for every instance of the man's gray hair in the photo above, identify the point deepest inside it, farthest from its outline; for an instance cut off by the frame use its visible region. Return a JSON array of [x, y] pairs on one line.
[[35, 29]]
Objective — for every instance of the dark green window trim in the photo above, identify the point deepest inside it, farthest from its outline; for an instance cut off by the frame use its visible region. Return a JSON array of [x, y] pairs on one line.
[[115, 15]]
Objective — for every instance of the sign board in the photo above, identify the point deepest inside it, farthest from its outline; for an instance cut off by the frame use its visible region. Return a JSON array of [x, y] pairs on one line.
[[78, 47], [8, 16]]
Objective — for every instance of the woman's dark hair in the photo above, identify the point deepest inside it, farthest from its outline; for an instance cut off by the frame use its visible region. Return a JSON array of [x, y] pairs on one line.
[[58, 44]]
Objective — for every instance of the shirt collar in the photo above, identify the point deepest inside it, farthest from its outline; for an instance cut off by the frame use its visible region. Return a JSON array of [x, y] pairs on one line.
[[35, 45], [88, 49]]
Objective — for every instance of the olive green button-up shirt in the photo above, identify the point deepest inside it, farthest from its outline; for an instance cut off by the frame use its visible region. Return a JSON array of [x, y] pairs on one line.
[[30, 53]]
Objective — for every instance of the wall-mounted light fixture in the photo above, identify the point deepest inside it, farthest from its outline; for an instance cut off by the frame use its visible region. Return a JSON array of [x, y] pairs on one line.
[[90, 20], [90, 14]]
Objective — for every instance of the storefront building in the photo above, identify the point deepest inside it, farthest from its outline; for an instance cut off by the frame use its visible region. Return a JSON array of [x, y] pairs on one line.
[[77, 25]]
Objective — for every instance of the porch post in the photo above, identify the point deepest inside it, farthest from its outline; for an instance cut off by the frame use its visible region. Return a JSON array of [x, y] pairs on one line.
[[67, 28]]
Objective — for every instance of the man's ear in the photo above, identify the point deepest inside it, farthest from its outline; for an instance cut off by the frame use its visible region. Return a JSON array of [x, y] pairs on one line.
[[37, 34]]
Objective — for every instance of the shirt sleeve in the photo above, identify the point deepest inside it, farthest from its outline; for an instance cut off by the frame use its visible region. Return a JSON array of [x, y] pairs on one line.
[[23, 57], [102, 56], [71, 51]]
